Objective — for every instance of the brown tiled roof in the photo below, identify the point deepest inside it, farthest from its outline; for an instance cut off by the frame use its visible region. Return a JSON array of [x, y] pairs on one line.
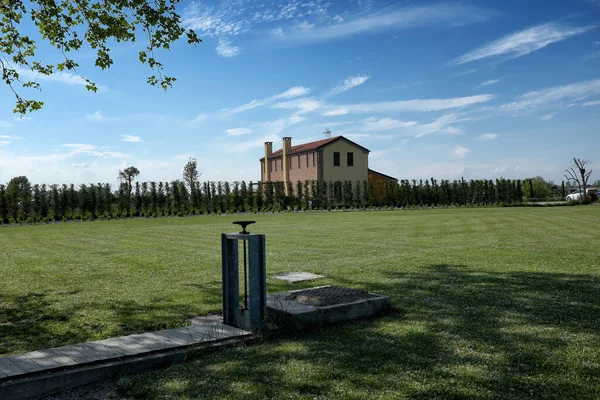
[[382, 175], [301, 148]]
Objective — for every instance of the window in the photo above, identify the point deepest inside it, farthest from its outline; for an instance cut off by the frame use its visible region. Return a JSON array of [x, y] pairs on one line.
[[314, 159], [275, 162], [306, 160], [298, 161], [350, 159], [336, 159]]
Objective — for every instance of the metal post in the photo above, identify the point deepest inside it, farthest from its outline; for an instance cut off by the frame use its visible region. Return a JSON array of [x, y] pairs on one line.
[[252, 315]]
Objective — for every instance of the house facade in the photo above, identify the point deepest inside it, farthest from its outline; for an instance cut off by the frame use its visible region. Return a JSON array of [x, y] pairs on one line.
[[331, 159]]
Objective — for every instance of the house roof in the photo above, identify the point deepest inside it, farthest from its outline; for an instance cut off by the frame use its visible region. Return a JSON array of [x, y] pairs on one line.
[[384, 176], [301, 148]]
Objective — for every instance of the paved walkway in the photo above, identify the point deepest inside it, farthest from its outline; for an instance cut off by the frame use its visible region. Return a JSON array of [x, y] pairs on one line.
[[60, 359]]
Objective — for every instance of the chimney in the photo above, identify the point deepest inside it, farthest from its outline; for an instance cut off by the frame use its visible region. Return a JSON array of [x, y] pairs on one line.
[[266, 169], [287, 146]]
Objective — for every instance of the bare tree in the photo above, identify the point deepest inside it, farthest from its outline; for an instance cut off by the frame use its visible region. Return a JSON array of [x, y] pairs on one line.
[[577, 173], [127, 176], [190, 173]]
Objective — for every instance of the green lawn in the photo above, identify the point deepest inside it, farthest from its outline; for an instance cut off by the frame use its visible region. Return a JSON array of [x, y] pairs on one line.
[[490, 302]]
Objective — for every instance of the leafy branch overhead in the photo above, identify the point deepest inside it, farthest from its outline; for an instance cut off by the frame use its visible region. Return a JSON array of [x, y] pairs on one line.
[[70, 24]]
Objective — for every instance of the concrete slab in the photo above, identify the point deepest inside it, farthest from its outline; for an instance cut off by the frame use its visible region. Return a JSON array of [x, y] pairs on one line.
[[40, 373], [287, 313], [58, 357], [9, 368], [293, 277]]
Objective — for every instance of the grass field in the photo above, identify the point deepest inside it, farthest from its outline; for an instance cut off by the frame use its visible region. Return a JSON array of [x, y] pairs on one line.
[[490, 302]]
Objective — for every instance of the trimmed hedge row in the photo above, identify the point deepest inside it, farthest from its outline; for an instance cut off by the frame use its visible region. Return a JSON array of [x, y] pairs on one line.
[[22, 202]]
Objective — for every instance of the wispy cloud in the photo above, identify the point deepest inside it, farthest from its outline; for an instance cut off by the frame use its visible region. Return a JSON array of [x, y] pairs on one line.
[[277, 126], [95, 116], [348, 83], [4, 142], [90, 150], [238, 131], [418, 105], [198, 119], [449, 14], [302, 106], [442, 124], [373, 124], [225, 49], [489, 83], [460, 152], [131, 139], [9, 137], [488, 136], [295, 91], [591, 103], [548, 117], [6, 125], [61, 76], [553, 96], [523, 42], [465, 73]]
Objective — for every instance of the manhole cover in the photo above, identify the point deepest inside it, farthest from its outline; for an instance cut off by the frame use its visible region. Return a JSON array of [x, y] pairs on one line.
[[329, 295]]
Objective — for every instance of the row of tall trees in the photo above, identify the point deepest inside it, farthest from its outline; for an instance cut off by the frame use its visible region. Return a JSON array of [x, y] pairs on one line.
[[22, 201]]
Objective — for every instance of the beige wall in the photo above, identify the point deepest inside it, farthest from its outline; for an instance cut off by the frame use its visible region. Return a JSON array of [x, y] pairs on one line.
[[360, 170]]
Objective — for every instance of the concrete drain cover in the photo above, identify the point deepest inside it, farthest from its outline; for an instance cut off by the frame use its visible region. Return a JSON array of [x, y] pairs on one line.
[[329, 295], [319, 306], [292, 277]]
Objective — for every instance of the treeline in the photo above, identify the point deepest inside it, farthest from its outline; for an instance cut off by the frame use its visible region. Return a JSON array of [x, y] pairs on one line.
[[20, 201]]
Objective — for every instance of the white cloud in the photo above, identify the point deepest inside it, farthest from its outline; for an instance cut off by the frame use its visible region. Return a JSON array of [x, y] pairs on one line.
[[277, 126], [9, 137], [550, 96], [96, 117], [295, 91], [302, 106], [131, 139], [465, 73], [418, 105], [409, 17], [524, 42], [349, 83], [60, 76], [490, 82], [225, 49], [591, 103], [200, 118], [6, 125], [4, 142], [547, 116], [238, 131], [89, 150], [488, 136], [372, 124], [460, 152], [80, 165], [442, 124], [335, 112]]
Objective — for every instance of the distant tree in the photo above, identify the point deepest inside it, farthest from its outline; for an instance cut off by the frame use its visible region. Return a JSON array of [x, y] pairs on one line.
[[596, 183], [539, 188], [577, 172], [127, 176], [18, 196], [190, 173]]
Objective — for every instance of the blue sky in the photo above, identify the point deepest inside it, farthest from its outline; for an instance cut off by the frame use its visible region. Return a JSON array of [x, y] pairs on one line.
[[478, 89]]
